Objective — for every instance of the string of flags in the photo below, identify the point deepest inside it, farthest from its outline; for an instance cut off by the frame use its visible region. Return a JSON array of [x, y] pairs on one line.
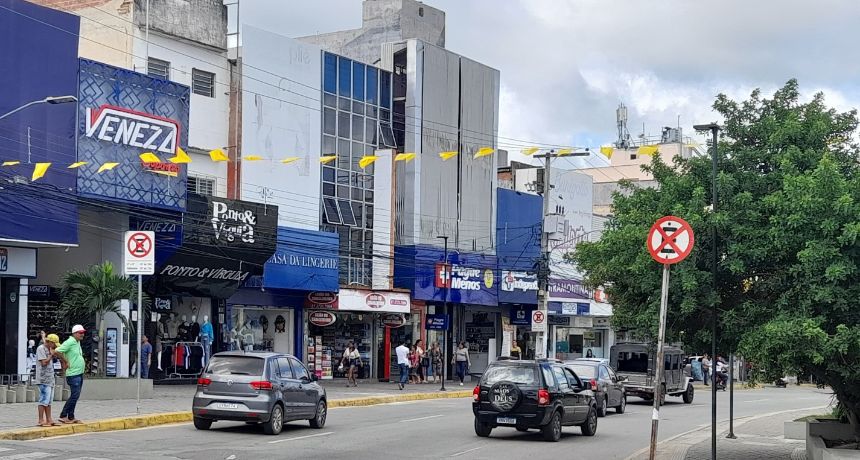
[[218, 155]]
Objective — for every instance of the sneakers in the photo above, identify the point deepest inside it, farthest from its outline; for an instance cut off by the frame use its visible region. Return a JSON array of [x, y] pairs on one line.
[[461, 383], [400, 385]]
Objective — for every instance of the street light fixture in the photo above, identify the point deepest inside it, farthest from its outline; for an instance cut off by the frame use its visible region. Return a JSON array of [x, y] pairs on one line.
[[714, 128], [48, 100]]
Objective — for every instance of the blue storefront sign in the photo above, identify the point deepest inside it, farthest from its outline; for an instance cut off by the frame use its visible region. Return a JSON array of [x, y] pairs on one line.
[[569, 308], [304, 260], [467, 278], [518, 287], [436, 322], [40, 59], [123, 114], [521, 315]]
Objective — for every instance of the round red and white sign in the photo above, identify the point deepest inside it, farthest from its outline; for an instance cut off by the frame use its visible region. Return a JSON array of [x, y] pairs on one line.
[[322, 298], [139, 245], [322, 318], [670, 240], [392, 320], [375, 300]]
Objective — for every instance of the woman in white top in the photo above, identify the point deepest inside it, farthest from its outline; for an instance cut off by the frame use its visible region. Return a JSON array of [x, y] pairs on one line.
[[419, 350], [351, 361]]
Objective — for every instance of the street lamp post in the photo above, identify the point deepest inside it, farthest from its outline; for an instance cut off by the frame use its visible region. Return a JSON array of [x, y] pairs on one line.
[[445, 308], [714, 129], [47, 100]]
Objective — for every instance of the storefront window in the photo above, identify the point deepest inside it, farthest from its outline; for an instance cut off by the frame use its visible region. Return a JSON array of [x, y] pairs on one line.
[[262, 329], [326, 344], [569, 343]]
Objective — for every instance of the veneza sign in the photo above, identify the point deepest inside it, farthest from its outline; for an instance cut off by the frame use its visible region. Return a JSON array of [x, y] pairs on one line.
[[123, 126]]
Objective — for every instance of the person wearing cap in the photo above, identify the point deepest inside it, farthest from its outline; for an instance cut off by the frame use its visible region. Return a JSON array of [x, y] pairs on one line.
[[71, 350], [45, 354]]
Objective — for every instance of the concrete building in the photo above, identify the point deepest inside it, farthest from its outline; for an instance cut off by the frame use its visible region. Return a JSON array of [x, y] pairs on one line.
[[184, 42]]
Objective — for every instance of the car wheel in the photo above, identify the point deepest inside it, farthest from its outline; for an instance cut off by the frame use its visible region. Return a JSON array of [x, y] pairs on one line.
[[589, 428], [623, 406], [603, 409], [552, 430], [688, 395], [483, 430], [319, 419], [276, 421], [202, 423]]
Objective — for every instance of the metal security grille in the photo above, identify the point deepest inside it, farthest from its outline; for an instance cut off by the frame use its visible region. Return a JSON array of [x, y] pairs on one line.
[[158, 68], [201, 185], [203, 83]]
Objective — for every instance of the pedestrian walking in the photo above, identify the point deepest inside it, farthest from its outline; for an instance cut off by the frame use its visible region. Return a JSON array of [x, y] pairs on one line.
[[706, 367], [436, 361], [73, 355], [422, 361], [516, 351], [45, 354], [413, 365], [351, 362], [403, 362], [462, 360], [145, 357]]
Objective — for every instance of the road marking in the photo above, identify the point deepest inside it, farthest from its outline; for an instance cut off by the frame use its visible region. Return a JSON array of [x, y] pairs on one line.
[[466, 451], [421, 418], [298, 437], [756, 400], [27, 456]]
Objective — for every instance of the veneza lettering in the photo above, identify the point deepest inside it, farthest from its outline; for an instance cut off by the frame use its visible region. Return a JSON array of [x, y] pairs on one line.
[[119, 125], [232, 223]]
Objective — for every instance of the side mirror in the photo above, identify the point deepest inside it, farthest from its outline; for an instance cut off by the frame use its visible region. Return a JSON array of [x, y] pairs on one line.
[[622, 378], [314, 377]]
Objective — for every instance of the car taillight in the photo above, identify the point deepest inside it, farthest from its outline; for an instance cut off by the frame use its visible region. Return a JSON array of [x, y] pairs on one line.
[[204, 381], [476, 393], [593, 384], [543, 398], [261, 385]]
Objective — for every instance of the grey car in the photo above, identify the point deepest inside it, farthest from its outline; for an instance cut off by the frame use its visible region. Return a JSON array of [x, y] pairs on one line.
[[607, 386], [258, 388]]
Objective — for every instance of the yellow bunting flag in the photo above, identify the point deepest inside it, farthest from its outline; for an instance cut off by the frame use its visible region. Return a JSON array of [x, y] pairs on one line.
[[107, 167], [327, 159], [405, 157], [39, 170], [366, 161], [564, 151], [181, 157], [484, 151], [10, 163], [447, 155], [218, 155], [607, 151], [289, 160], [252, 158], [76, 165], [149, 157], [647, 150], [530, 151]]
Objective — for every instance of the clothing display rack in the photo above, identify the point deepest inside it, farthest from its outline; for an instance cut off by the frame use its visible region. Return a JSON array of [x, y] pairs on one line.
[[186, 359]]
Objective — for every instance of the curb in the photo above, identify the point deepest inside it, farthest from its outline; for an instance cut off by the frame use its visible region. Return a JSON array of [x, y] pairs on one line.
[[142, 421]]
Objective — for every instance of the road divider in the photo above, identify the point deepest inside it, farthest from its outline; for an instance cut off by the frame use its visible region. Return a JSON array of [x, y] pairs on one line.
[[165, 418]]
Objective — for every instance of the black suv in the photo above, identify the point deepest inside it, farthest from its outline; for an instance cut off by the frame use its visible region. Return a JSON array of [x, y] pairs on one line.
[[533, 394]]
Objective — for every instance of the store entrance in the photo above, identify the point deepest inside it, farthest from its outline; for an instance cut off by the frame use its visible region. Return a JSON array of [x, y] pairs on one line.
[[264, 329], [330, 341]]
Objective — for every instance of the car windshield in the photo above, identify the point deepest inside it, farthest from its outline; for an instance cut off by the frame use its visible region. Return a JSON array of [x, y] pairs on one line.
[[585, 372], [632, 362], [235, 365], [522, 375]]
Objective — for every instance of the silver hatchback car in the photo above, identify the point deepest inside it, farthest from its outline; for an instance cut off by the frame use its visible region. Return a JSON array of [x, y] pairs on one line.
[[262, 388]]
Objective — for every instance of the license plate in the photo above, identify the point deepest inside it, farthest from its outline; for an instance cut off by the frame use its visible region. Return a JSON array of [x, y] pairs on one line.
[[506, 420], [227, 406]]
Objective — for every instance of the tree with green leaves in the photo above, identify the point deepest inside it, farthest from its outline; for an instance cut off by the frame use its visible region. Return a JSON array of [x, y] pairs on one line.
[[788, 286], [93, 293]]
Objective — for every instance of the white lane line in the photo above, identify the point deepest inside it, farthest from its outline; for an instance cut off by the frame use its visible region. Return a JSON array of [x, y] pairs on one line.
[[756, 400], [27, 456], [421, 418], [298, 437], [466, 451]]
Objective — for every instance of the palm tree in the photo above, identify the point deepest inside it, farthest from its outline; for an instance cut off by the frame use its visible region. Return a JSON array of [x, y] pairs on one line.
[[94, 293]]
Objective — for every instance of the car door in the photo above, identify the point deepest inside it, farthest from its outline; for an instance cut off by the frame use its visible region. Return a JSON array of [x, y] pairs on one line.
[[617, 387], [289, 389], [307, 392], [566, 394], [579, 398], [606, 386]]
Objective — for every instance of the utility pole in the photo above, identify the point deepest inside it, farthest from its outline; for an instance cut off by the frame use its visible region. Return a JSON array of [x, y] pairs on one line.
[[544, 268], [445, 332]]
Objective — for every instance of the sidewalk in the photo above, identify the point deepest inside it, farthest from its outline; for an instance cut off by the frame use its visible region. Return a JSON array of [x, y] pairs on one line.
[[758, 438], [177, 398]]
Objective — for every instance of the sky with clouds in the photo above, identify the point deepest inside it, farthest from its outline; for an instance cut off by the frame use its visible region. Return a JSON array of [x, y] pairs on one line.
[[566, 64]]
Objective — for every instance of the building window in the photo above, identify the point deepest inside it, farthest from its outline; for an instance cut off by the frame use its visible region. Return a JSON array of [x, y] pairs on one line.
[[421, 11], [200, 185], [203, 83], [330, 77], [158, 68]]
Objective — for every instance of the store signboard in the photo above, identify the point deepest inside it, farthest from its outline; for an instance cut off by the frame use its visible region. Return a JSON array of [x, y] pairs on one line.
[[392, 320], [322, 318], [18, 262], [360, 300], [521, 315], [304, 260], [436, 322], [518, 287], [470, 278], [570, 308]]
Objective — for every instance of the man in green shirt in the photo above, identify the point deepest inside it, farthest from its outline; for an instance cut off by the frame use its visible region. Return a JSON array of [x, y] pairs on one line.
[[71, 349]]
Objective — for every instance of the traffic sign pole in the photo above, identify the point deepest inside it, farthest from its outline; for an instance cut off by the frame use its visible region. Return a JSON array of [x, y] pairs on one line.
[[658, 373], [138, 258], [139, 335]]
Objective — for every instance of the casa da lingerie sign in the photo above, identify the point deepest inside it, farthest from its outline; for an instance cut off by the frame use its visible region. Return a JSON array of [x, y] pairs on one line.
[[283, 258]]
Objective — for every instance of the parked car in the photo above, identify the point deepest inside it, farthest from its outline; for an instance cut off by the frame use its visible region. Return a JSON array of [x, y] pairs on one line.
[[260, 388], [608, 388], [533, 394], [636, 363]]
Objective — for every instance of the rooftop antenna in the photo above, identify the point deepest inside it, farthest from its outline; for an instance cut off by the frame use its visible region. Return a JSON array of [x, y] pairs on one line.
[[623, 141]]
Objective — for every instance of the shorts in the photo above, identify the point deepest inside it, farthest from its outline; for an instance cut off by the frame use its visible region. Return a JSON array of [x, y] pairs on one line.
[[46, 394]]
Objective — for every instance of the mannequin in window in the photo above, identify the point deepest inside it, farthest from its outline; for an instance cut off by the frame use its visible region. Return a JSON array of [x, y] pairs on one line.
[[194, 329], [207, 336], [246, 334], [159, 332], [184, 329], [173, 326]]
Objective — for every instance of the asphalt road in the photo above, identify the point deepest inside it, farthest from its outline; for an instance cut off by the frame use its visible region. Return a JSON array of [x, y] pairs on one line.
[[421, 429]]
